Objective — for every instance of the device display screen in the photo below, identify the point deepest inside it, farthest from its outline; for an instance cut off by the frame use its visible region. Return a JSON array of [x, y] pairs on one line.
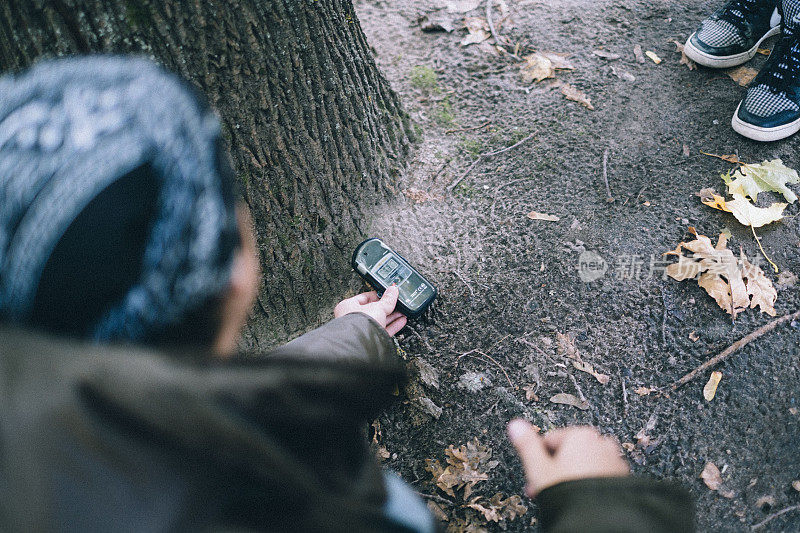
[[414, 291]]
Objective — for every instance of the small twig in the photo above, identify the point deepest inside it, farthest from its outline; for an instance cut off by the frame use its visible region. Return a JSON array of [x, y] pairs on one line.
[[624, 398], [762, 250], [490, 21], [441, 169], [744, 341], [460, 276], [725, 158], [577, 387], [460, 130], [774, 515], [486, 156], [436, 498], [609, 198], [489, 357]]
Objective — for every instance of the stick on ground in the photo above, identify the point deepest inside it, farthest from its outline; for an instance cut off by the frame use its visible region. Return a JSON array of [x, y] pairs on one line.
[[486, 156], [744, 341], [764, 522]]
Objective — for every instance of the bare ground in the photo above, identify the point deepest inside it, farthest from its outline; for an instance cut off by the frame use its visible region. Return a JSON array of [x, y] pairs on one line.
[[509, 284]]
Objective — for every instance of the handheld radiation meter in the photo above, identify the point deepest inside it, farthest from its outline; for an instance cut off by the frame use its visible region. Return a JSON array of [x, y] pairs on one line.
[[380, 266]]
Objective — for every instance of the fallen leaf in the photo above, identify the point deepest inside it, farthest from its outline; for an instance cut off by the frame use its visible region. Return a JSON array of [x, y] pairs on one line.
[[566, 345], [568, 399], [535, 215], [653, 57], [643, 391], [751, 180], [575, 94], [711, 387], [604, 54], [383, 453], [727, 494], [622, 74], [711, 476], [498, 509], [530, 393], [796, 485], [730, 158], [536, 68], [742, 75], [643, 438], [478, 30], [589, 369], [427, 406], [467, 465], [560, 61], [637, 52], [462, 6], [744, 211], [628, 446], [694, 337], [691, 65], [685, 150], [427, 373], [734, 284]]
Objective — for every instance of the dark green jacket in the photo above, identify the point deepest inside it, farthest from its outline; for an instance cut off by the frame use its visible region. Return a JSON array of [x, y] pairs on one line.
[[94, 438], [98, 438]]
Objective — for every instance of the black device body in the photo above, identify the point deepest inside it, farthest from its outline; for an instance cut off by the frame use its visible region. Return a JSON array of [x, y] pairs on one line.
[[380, 266]]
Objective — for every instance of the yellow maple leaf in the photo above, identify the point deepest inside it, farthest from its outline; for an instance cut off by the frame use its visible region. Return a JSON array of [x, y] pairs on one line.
[[741, 208]]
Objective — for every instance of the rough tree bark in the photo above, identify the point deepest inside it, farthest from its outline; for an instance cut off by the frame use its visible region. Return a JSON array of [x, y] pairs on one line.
[[315, 131]]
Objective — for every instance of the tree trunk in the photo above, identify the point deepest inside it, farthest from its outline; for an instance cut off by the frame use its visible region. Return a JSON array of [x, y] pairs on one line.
[[314, 129]]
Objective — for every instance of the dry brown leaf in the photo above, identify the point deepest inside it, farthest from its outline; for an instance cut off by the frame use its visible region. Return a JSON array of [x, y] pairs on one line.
[[744, 211], [711, 387], [628, 446], [643, 438], [589, 369], [536, 68], [498, 509], [653, 57], [796, 485], [691, 65], [437, 511], [643, 391], [535, 215], [576, 95], [637, 52], [383, 453], [530, 393], [711, 476], [622, 74], [569, 399], [478, 30], [559, 61], [742, 75], [466, 465], [734, 284]]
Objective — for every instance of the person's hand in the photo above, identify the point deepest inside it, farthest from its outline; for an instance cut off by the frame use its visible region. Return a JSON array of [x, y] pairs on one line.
[[381, 309], [564, 454]]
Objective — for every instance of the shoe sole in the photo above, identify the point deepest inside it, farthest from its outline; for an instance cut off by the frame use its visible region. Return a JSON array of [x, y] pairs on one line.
[[763, 134], [707, 60]]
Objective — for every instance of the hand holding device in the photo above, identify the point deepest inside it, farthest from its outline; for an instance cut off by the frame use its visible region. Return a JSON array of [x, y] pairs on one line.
[[381, 267], [380, 309]]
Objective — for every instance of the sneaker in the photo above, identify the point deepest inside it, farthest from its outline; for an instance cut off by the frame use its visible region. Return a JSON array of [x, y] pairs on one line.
[[732, 35], [770, 110]]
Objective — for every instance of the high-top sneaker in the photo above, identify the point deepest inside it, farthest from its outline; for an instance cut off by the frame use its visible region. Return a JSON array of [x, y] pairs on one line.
[[731, 36], [771, 108]]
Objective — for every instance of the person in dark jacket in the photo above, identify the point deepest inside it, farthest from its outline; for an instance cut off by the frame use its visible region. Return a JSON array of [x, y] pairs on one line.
[[127, 271]]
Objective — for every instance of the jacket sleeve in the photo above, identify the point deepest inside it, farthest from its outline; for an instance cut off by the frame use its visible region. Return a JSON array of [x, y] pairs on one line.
[[353, 338], [616, 504]]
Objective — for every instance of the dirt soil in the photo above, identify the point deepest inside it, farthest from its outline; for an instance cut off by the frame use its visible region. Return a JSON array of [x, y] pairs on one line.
[[509, 284]]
